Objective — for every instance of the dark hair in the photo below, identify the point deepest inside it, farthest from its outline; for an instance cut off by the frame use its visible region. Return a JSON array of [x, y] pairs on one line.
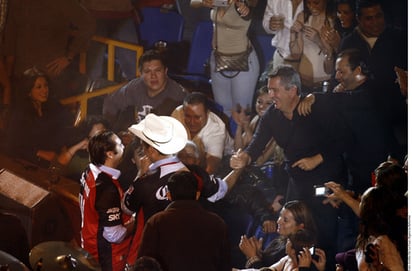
[[302, 214], [376, 215], [196, 98], [146, 263], [29, 78], [288, 77], [329, 12], [98, 145], [261, 91], [302, 238], [182, 186], [361, 4], [391, 175], [352, 6], [351, 3], [151, 55], [91, 120], [355, 59], [394, 178], [96, 119]]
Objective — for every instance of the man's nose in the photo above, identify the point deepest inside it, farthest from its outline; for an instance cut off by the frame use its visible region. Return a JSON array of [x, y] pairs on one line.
[[191, 121]]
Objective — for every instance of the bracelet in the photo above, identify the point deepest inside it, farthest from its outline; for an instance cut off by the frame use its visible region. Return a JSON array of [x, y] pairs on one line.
[[251, 261]]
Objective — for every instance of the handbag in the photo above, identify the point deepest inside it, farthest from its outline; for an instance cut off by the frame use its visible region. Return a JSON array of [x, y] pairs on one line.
[[232, 62], [237, 62]]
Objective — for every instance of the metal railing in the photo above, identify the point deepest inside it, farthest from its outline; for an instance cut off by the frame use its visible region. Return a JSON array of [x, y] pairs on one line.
[[83, 98], [111, 46]]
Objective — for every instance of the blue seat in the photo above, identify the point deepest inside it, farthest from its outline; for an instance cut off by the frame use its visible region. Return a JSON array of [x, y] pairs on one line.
[[200, 50], [160, 24], [263, 45]]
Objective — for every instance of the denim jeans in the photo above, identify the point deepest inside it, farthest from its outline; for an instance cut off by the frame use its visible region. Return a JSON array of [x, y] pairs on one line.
[[237, 90]]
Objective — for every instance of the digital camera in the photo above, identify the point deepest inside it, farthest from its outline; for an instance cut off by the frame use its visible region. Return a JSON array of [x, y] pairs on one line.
[[321, 190]]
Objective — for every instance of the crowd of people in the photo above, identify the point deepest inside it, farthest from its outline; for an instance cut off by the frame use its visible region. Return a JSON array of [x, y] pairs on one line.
[[302, 166]]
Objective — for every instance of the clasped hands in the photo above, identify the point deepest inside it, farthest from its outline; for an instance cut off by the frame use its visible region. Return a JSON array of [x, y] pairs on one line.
[[241, 159]]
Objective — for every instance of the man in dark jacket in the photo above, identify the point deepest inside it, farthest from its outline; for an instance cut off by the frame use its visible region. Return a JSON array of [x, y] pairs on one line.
[[185, 236], [383, 48]]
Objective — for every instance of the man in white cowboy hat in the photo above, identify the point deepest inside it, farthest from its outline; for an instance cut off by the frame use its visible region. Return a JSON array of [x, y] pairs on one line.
[[162, 137]]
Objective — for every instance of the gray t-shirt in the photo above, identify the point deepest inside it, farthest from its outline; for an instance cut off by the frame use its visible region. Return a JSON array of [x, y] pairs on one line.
[[131, 103]]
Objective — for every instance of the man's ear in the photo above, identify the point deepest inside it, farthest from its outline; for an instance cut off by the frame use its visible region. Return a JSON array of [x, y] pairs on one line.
[[197, 195], [293, 91], [110, 154], [358, 70]]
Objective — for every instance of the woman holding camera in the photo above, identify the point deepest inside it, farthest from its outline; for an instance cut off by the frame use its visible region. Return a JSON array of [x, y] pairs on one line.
[[234, 65], [301, 254], [293, 217]]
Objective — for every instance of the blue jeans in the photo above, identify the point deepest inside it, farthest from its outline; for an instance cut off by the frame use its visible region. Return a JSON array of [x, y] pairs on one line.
[[237, 90]]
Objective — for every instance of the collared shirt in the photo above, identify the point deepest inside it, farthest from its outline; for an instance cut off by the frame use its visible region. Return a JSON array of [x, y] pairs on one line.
[[322, 132], [213, 137], [115, 173], [103, 233], [167, 165]]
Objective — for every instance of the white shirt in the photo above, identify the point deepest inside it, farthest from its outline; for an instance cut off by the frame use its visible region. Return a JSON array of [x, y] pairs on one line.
[[282, 37], [214, 135]]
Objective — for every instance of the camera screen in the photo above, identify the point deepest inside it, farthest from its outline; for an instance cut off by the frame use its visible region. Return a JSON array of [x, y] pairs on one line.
[[320, 191], [312, 250]]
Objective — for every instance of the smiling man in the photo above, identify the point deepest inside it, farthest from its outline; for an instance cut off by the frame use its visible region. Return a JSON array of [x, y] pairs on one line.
[[313, 148], [383, 47], [153, 92], [373, 141], [206, 129]]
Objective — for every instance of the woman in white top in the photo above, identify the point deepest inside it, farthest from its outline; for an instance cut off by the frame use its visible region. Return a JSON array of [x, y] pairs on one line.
[[278, 19], [310, 47]]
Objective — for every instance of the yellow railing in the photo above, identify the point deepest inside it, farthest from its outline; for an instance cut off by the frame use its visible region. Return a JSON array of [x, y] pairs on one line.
[[111, 46], [83, 98]]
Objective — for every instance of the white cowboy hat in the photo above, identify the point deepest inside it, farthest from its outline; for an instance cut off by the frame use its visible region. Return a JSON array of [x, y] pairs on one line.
[[165, 134]]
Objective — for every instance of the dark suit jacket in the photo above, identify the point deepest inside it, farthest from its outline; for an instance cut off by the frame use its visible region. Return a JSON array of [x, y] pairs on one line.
[[187, 237]]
